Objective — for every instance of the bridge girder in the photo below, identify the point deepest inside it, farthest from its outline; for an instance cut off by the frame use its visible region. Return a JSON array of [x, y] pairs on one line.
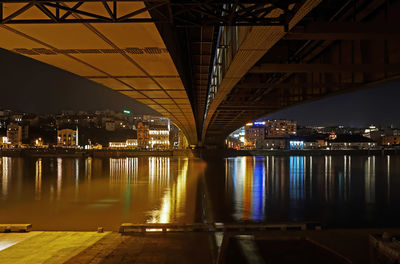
[[179, 13], [331, 51]]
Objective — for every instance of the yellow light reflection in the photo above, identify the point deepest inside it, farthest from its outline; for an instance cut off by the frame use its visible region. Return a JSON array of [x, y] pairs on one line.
[[328, 179], [88, 169], [59, 177], [76, 178], [247, 187], [370, 180], [123, 171], [38, 179], [6, 172], [174, 197]]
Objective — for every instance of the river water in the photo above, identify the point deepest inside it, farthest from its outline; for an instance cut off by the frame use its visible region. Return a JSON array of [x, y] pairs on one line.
[[83, 194]]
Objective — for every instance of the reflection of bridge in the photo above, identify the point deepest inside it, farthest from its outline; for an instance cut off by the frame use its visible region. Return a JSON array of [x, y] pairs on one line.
[[210, 66]]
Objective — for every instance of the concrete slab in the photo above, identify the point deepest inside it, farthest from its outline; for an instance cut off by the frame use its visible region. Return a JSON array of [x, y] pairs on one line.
[[46, 247], [167, 248], [9, 239]]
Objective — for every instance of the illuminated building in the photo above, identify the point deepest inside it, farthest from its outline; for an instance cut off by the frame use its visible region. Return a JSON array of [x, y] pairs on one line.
[[4, 142], [67, 137], [152, 136], [350, 142], [129, 144], [117, 145], [39, 142], [296, 144], [96, 146], [293, 142], [391, 140], [159, 137], [254, 132], [280, 128], [332, 136], [143, 136], [368, 132], [14, 134]]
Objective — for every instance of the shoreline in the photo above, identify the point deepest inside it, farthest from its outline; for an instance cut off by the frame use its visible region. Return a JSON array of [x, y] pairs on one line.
[[74, 153], [202, 153], [313, 152]]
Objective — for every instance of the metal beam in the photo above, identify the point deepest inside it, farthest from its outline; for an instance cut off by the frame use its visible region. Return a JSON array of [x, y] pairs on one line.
[[317, 67], [260, 85], [345, 31], [181, 13]]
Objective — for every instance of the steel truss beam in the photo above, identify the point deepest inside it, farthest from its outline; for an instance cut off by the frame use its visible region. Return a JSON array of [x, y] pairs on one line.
[[317, 67], [287, 85], [180, 13], [345, 31]]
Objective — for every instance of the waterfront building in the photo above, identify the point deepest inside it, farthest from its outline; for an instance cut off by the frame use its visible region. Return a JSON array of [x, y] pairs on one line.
[[4, 142], [39, 142], [15, 133], [350, 142], [372, 132], [391, 140], [128, 144], [159, 137], [117, 145], [131, 143], [280, 128], [152, 136], [142, 135], [254, 132], [67, 137], [272, 143]]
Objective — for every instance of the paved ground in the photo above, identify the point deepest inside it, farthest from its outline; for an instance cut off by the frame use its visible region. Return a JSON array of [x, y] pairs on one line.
[[168, 248], [9, 239], [45, 247], [191, 247], [350, 243]]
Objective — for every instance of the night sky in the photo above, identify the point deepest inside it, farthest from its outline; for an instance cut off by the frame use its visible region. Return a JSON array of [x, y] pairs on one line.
[[31, 86], [379, 105]]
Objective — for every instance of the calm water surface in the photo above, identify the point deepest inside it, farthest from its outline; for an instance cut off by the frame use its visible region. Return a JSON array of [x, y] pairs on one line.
[[81, 194]]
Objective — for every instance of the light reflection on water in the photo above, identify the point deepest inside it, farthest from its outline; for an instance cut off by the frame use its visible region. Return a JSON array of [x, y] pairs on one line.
[[338, 190], [65, 193], [81, 194]]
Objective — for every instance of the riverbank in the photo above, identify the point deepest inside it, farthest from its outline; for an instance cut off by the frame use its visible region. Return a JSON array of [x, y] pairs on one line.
[[203, 153], [226, 153], [311, 152], [78, 153]]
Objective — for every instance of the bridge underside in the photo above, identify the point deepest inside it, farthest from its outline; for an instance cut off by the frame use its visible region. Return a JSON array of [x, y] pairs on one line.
[[128, 56], [338, 47], [212, 66]]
